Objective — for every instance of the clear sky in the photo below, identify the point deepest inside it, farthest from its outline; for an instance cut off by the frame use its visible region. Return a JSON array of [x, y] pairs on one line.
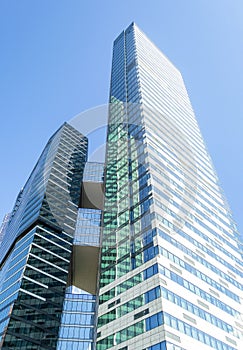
[[55, 62]]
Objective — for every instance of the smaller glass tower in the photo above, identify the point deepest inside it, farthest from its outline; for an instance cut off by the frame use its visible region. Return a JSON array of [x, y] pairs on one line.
[[35, 256]]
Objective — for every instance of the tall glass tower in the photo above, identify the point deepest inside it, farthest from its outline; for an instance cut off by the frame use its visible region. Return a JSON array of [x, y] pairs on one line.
[[170, 264]]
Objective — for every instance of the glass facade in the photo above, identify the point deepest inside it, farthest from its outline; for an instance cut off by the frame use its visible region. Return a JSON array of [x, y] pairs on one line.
[[88, 227], [79, 317], [77, 329], [36, 254], [93, 172], [165, 216], [3, 227]]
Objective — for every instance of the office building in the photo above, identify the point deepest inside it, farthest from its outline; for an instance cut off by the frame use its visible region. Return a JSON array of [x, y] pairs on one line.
[[37, 249], [170, 264], [155, 263]]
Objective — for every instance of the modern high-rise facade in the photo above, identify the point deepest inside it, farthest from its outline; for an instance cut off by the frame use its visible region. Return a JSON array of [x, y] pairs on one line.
[[170, 264], [154, 263], [78, 323], [3, 227], [37, 247]]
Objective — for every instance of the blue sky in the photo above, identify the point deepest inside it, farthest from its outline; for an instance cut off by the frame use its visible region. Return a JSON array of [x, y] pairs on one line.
[[55, 62]]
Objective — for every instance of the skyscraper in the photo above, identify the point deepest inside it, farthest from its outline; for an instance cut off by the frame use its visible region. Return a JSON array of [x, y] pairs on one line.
[[37, 247], [156, 263], [170, 263]]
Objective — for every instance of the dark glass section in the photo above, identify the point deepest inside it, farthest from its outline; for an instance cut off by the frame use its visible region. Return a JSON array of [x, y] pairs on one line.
[[35, 269]]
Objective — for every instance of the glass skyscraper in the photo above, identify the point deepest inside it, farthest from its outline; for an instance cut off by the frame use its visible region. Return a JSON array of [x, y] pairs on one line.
[[171, 267], [141, 253], [37, 247]]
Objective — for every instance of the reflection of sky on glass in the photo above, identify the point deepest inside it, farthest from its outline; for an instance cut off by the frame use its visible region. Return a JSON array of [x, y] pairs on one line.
[[76, 290]]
